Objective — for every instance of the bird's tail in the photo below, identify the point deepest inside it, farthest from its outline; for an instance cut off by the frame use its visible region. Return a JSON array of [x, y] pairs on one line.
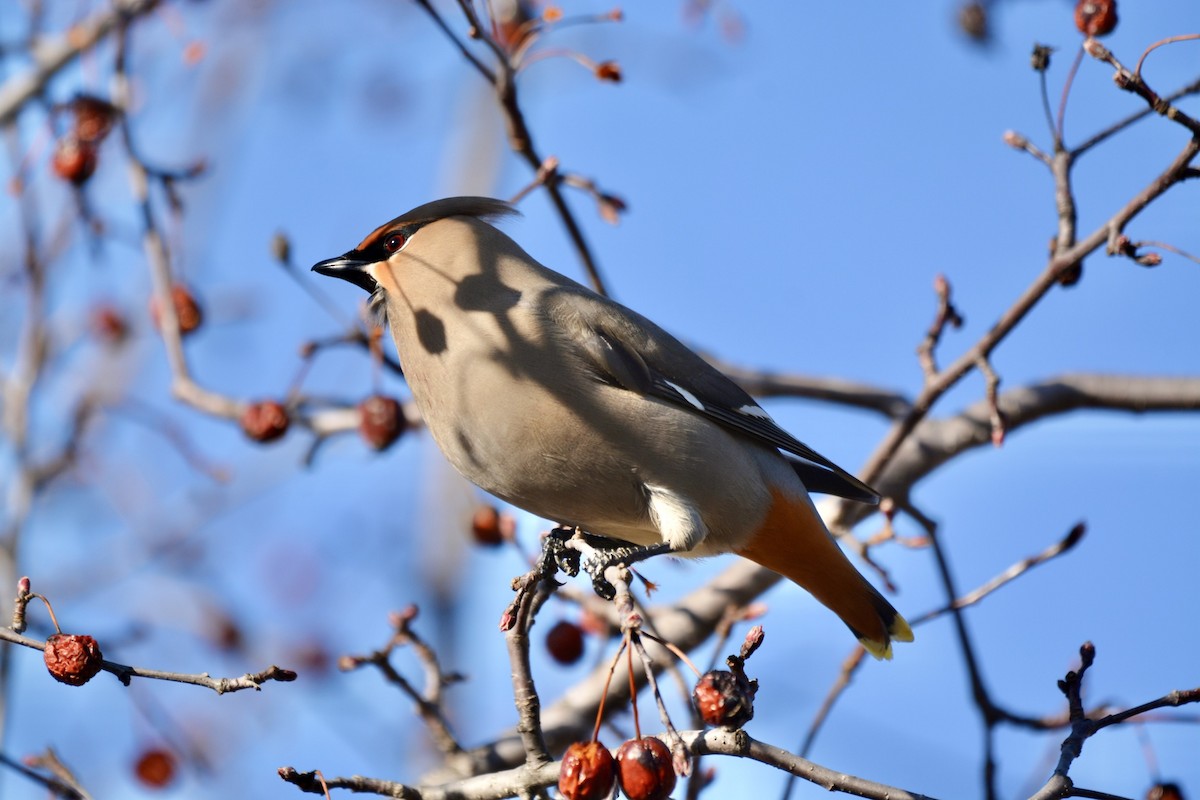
[[794, 542]]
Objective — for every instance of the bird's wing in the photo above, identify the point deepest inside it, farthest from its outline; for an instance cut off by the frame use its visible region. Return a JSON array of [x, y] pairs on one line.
[[627, 350]]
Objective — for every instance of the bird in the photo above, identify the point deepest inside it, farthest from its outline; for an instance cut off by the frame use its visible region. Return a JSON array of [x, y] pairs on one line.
[[564, 403]]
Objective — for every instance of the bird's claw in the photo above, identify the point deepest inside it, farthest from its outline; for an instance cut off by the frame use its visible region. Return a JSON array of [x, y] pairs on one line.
[[627, 555], [604, 553], [556, 550]]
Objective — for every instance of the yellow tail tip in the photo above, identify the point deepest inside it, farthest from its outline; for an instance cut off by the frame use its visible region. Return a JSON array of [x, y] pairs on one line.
[[898, 631], [880, 650]]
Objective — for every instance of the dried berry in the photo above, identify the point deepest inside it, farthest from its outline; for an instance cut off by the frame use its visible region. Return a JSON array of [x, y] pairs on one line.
[[587, 772], [1164, 791], [93, 118], [381, 421], [72, 659], [187, 310], [973, 21], [565, 642], [722, 699], [491, 528], [1071, 274], [155, 768], [1096, 17], [265, 421], [74, 160], [281, 248], [109, 325], [225, 632], [609, 71], [1039, 59], [644, 769], [312, 658], [594, 623]]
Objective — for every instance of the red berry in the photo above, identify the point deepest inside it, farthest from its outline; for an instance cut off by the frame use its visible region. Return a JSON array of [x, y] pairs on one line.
[[1096, 17], [722, 700], [491, 528], [265, 421], [381, 421], [155, 768], [93, 118], [109, 325], [973, 20], [1164, 791], [587, 772], [608, 71], [187, 310], [312, 658], [225, 632], [1071, 274], [72, 659], [565, 642], [644, 769], [74, 160]]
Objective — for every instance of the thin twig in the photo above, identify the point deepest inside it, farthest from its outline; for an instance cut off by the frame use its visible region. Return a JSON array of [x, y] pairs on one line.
[[1062, 103], [947, 314], [125, 673], [1073, 537], [979, 692], [1025, 303], [1133, 82], [429, 702], [516, 636], [1186, 37], [51, 783], [503, 81], [1122, 124]]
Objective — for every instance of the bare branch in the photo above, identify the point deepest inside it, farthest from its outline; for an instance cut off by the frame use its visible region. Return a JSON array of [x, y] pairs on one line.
[[1083, 727], [524, 779], [51, 56], [935, 441], [738, 743], [766, 383], [126, 673], [1133, 82], [520, 139], [52, 783], [429, 702], [1073, 537], [1122, 124], [1062, 262], [947, 314]]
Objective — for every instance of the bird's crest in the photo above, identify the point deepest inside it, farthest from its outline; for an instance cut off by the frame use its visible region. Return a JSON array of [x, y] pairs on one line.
[[484, 208]]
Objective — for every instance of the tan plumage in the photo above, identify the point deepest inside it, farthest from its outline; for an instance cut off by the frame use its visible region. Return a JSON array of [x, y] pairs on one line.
[[581, 411]]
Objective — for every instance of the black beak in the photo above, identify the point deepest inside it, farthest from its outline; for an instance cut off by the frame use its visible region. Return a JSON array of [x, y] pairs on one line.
[[349, 267]]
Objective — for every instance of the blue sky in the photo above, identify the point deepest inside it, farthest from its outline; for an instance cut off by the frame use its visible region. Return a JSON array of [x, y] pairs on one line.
[[791, 198]]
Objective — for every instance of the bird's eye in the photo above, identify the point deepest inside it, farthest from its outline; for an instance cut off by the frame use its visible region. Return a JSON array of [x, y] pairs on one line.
[[394, 241]]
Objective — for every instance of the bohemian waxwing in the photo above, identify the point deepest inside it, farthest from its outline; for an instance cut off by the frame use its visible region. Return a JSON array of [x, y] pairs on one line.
[[578, 410]]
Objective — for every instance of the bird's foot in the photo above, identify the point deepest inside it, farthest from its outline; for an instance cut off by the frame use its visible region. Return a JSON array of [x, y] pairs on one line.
[[557, 551], [627, 554], [571, 550]]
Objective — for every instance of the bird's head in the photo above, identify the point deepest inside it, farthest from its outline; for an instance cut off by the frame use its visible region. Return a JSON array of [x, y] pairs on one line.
[[388, 241]]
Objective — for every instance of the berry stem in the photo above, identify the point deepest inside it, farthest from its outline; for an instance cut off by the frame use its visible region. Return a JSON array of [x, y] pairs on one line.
[[637, 728], [612, 668], [50, 609], [1062, 104], [682, 656]]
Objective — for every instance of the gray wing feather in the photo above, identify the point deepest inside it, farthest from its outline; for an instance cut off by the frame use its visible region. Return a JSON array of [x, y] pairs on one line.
[[628, 350]]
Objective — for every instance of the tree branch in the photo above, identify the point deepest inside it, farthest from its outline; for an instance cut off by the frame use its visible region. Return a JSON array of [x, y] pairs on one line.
[[126, 673], [51, 56]]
